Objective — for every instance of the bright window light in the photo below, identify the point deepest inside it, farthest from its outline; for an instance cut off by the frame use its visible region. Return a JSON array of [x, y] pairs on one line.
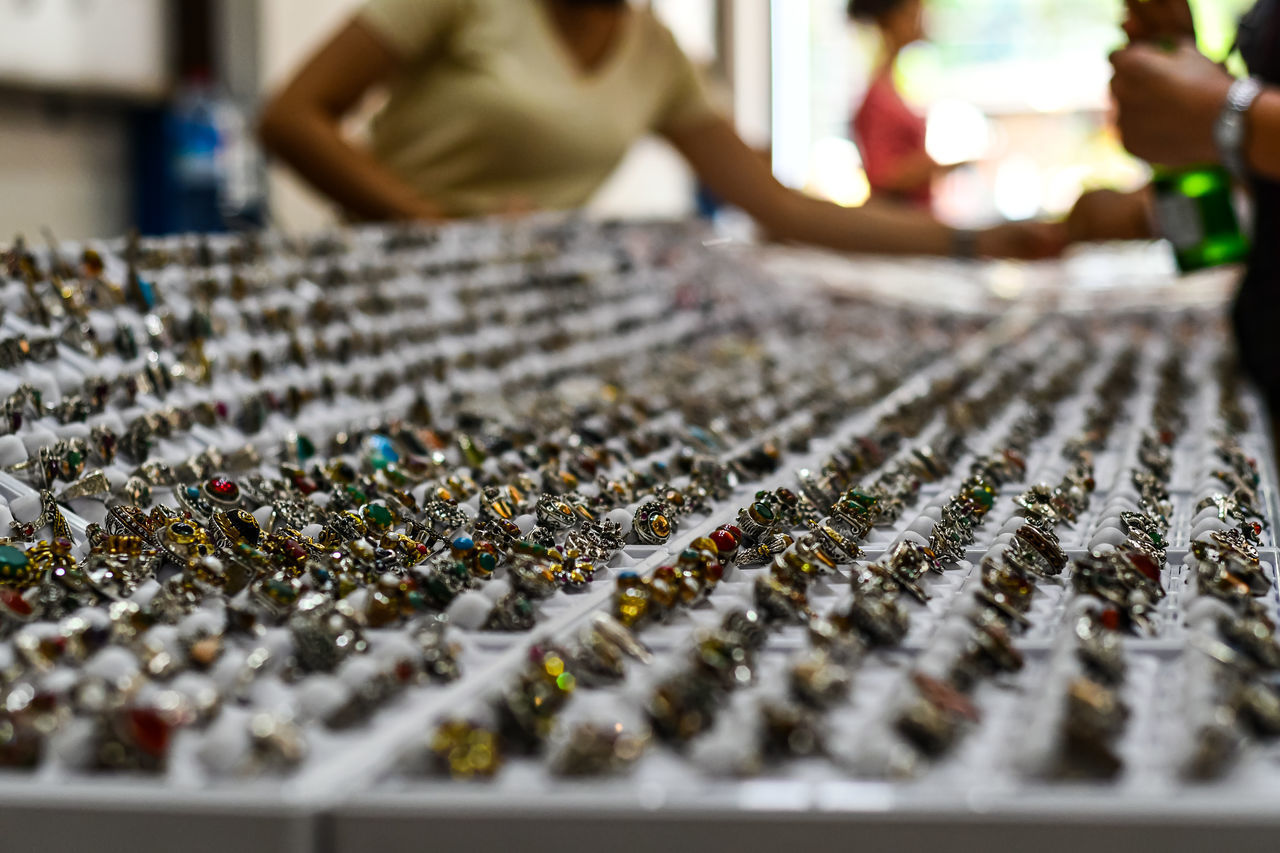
[[836, 173], [1017, 193], [957, 132]]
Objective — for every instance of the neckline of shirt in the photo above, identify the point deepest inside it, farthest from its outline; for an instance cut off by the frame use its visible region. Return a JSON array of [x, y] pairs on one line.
[[624, 37]]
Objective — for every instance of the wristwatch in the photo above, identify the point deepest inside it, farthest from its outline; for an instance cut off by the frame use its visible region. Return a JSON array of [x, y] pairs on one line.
[[1228, 131], [964, 244]]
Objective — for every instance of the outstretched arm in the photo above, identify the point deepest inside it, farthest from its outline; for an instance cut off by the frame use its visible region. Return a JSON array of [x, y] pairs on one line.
[[302, 125], [911, 172], [732, 170]]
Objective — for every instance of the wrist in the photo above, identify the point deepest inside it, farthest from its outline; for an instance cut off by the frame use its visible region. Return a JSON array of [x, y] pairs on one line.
[[1208, 101], [1230, 130], [417, 210], [984, 243], [1142, 216], [964, 244]]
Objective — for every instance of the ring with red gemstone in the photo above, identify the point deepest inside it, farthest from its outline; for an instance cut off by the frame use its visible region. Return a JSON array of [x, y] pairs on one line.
[[221, 492], [25, 531]]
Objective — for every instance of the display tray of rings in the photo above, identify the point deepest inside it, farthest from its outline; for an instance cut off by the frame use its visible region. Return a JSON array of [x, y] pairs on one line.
[[550, 533]]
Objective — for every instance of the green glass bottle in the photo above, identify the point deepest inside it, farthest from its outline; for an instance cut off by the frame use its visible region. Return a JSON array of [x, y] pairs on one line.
[[1196, 212]]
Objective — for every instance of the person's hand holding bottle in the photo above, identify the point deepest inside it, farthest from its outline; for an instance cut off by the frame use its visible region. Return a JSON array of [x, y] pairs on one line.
[[1167, 93]]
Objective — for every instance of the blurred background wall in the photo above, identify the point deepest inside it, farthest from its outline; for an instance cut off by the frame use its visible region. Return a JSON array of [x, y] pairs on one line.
[[63, 164], [69, 74], [104, 104]]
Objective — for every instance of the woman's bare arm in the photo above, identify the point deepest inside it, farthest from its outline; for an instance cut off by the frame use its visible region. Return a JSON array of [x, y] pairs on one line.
[[732, 170], [911, 172], [302, 125]]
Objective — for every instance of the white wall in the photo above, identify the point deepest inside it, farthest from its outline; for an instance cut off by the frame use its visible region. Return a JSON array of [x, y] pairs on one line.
[[65, 169], [653, 181], [64, 161], [752, 87], [93, 45]]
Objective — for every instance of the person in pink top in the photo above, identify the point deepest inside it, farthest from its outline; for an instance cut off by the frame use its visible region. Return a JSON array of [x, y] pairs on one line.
[[889, 134]]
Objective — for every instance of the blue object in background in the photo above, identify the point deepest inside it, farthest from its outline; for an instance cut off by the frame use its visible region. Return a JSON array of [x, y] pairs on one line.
[[194, 166], [196, 155]]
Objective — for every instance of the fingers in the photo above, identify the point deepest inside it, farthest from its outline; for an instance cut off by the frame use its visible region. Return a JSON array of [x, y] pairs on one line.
[[1122, 63], [1026, 241], [1036, 241], [1131, 56], [1155, 19], [517, 205], [1049, 239], [1137, 136], [1106, 214], [1089, 210], [1175, 19], [1140, 22], [1134, 29], [1131, 65], [1135, 53]]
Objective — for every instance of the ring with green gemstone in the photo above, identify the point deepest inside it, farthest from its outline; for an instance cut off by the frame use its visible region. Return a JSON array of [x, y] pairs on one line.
[[15, 567]]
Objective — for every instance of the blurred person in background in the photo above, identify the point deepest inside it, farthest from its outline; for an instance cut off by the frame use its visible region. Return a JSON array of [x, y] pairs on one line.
[[889, 134], [1173, 108], [498, 106]]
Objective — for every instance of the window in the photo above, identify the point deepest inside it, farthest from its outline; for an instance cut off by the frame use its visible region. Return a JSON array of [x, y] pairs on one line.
[[1018, 87]]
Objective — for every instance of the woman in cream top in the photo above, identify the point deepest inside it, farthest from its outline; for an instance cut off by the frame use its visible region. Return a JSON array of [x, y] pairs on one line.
[[496, 105]]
